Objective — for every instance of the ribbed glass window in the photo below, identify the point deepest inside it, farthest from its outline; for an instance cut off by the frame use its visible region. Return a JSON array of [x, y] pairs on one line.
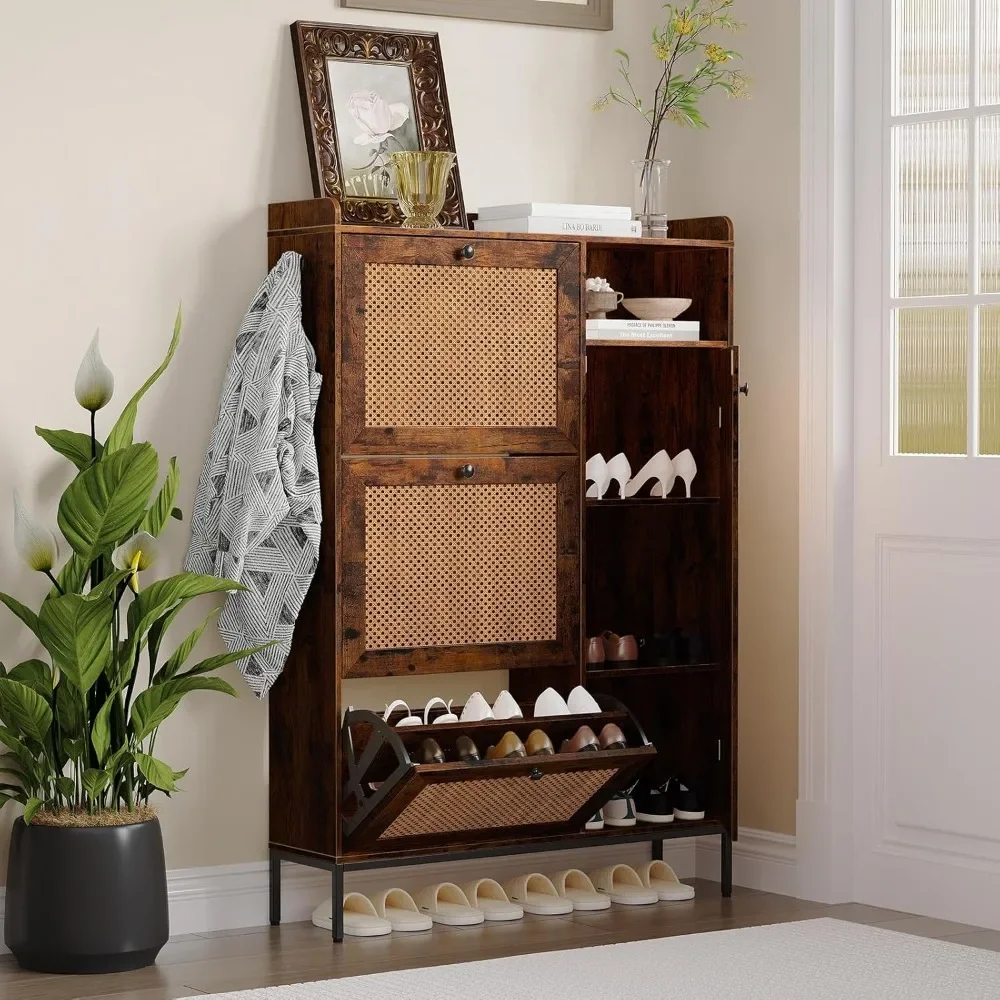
[[989, 203], [931, 55]]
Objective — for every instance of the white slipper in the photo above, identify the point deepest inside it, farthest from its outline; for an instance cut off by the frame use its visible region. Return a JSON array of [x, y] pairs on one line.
[[506, 708], [360, 918], [447, 904], [476, 709], [537, 894], [449, 715], [582, 702], [398, 907], [576, 886], [550, 702], [621, 883], [410, 720], [663, 880], [487, 894]]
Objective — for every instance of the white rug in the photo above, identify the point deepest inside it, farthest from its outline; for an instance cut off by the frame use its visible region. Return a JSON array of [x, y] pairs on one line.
[[813, 960]]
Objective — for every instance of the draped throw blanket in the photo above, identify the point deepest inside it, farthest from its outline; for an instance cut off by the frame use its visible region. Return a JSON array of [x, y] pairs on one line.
[[257, 512]]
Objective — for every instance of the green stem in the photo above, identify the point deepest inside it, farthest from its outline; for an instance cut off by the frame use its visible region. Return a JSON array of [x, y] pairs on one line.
[[93, 434], [55, 582]]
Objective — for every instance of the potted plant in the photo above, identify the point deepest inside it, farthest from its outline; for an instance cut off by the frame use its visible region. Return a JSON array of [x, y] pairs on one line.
[[691, 67], [86, 885]]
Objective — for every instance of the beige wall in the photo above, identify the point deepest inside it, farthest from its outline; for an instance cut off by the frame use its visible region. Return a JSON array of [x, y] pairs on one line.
[[747, 166], [140, 146]]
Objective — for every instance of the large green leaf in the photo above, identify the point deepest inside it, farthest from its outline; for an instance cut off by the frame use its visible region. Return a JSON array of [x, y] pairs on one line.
[[24, 711], [70, 444], [121, 434], [24, 613], [31, 809], [65, 786], [77, 633], [105, 502], [182, 652], [69, 708], [36, 674], [156, 704], [5, 798], [95, 781], [72, 577], [157, 515], [100, 733], [214, 663], [156, 633], [158, 774]]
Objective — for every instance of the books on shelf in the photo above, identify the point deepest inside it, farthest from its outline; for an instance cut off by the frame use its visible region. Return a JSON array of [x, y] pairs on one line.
[[576, 226], [643, 329], [550, 210]]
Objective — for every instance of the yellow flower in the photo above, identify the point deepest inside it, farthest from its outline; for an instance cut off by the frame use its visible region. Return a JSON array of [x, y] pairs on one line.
[[684, 25], [716, 53], [661, 50]]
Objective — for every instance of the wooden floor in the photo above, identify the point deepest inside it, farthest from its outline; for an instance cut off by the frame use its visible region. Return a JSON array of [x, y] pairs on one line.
[[293, 953]]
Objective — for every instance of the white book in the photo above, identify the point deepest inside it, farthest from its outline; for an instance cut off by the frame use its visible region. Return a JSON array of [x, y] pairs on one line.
[[626, 336], [643, 325], [540, 208], [570, 227]]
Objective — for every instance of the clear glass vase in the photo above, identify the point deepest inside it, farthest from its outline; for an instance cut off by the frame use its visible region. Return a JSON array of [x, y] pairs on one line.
[[422, 186], [649, 200]]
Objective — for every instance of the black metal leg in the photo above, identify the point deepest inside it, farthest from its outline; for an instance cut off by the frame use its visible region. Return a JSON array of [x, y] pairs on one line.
[[656, 850], [338, 903], [275, 890], [727, 865]]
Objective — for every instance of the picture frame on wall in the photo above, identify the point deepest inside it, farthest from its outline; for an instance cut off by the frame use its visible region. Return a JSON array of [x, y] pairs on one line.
[[595, 14], [366, 93]]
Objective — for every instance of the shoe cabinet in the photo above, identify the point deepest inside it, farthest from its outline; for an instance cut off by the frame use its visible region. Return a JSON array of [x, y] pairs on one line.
[[460, 402]]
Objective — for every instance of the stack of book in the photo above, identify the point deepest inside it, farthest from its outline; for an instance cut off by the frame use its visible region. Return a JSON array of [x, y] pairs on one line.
[[642, 330], [572, 220]]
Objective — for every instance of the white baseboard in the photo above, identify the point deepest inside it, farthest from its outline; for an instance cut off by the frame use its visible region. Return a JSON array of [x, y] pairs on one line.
[[229, 897], [761, 860]]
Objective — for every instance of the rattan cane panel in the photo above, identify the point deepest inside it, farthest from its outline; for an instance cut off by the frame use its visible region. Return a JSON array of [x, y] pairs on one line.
[[497, 803], [460, 346], [460, 565]]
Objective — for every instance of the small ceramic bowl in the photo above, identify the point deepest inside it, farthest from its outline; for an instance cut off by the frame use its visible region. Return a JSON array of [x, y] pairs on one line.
[[656, 308]]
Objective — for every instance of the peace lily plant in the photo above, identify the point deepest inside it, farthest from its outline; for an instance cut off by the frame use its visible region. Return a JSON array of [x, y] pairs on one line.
[[80, 737]]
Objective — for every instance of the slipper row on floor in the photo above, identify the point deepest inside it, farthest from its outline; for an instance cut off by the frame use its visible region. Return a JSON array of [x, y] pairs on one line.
[[486, 899]]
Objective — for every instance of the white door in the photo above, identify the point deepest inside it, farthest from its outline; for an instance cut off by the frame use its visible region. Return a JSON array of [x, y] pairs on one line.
[[927, 474]]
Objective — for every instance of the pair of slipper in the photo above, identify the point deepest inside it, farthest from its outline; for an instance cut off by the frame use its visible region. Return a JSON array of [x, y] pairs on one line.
[[652, 882], [385, 912]]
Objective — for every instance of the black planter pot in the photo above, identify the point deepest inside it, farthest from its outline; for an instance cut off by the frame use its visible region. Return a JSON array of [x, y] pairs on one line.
[[86, 900]]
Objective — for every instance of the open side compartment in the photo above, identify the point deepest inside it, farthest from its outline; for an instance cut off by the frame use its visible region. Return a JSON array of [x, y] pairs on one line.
[[395, 804]]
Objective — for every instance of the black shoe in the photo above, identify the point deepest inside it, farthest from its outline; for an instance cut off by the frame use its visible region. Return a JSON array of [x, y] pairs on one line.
[[467, 750], [653, 804], [686, 802]]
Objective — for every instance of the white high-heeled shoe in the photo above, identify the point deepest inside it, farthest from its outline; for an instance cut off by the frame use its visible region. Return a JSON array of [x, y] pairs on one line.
[[597, 473], [686, 469], [620, 471], [449, 715], [506, 708], [660, 468], [409, 720]]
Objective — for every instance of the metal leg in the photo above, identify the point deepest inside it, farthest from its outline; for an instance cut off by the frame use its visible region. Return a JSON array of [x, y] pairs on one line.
[[338, 903], [727, 865], [275, 890], [656, 850]]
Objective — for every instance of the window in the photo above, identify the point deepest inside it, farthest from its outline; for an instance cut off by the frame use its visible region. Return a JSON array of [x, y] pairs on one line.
[[944, 140]]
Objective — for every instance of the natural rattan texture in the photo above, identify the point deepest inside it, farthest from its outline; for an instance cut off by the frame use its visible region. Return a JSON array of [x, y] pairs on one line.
[[460, 346], [460, 565], [497, 803]]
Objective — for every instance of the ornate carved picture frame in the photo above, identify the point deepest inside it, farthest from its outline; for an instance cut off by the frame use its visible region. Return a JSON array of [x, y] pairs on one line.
[[597, 14], [365, 93]]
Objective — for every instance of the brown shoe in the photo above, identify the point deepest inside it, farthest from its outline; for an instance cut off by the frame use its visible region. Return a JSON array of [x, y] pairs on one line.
[[583, 739], [538, 743], [595, 650], [509, 746], [467, 750], [430, 752], [620, 648], [612, 738]]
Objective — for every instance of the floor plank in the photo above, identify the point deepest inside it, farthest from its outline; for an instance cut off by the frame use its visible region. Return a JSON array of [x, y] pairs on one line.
[[294, 953]]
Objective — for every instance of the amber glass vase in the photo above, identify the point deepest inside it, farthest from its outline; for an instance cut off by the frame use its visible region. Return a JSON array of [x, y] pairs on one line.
[[421, 184]]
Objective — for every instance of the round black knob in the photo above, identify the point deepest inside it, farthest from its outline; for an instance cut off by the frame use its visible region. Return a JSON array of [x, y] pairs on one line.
[[745, 388], [467, 252], [535, 774], [467, 471]]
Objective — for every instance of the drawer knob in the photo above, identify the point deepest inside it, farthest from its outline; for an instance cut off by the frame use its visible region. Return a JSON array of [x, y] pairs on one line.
[[467, 252], [535, 774], [467, 471], [745, 388]]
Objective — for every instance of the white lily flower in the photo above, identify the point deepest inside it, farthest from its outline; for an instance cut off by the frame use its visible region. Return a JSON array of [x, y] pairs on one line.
[[95, 384], [136, 553], [35, 544]]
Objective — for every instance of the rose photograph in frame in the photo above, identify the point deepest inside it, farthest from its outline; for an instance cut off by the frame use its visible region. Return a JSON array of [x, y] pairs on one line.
[[367, 93]]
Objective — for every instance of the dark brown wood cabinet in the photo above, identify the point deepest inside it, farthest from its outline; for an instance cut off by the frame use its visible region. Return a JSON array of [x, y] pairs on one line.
[[460, 402]]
